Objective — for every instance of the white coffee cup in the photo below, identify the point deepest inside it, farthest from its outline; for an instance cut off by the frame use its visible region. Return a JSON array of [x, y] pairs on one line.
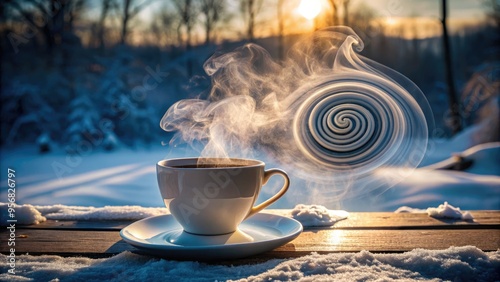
[[212, 196]]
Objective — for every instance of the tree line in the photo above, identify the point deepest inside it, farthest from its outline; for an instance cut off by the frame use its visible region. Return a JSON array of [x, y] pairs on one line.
[[174, 22]]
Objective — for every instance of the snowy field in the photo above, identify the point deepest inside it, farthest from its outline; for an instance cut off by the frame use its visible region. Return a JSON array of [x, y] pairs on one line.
[[128, 177], [453, 264]]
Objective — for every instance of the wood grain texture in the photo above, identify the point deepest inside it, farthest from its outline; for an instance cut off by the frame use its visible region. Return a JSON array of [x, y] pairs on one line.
[[375, 232], [106, 225], [102, 243]]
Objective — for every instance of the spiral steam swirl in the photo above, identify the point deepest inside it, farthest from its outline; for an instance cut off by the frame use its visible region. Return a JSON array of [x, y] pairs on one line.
[[357, 121]]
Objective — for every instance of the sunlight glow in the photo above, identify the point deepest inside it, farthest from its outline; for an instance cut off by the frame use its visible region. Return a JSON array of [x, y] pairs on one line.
[[309, 9], [390, 21], [335, 238]]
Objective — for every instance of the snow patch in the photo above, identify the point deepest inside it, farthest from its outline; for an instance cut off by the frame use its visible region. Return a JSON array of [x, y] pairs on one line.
[[448, 211], [24, 214], [62, 212], [317, 215], [453, 264], [407, 209], [442, 211], [28, 214], [483, 159]]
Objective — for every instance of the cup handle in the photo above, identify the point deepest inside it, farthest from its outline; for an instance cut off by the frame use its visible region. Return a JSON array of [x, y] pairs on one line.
[[267, 175]]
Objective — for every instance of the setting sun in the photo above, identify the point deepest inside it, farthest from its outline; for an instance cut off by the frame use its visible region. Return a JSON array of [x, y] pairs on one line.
[[309, 9], [390, 21]]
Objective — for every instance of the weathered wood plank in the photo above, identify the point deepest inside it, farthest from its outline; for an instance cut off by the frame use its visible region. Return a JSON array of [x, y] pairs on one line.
[[356, 220], [110, 225], [98, 244], [396, 240], [368, 220], [38, 241]]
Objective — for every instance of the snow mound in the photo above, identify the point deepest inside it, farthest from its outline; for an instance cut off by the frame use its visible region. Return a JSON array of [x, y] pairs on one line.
[[408, 209], [28, 214], [442, 211], [448, 211], [62, 212], [453, 264], [483, 158], [24, 214], [317, 215]]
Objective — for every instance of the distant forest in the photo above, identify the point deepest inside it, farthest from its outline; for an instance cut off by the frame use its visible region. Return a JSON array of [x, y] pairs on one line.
[[68, 79]]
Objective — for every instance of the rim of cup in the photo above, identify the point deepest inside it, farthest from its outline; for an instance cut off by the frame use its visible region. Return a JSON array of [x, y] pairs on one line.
[[176, 163]]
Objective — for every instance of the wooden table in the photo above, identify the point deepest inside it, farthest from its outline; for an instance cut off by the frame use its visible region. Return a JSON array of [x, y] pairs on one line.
[[375, 231]]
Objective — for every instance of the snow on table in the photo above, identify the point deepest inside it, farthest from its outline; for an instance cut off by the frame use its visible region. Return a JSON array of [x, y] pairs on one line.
[[444, 210], [307, 215]]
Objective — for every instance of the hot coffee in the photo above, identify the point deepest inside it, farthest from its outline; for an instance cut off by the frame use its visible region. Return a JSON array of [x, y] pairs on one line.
[[209, 166], [213, 196]]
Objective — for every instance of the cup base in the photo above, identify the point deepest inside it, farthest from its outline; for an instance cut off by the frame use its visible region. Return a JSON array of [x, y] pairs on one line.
[[184, 238], [201, 234]]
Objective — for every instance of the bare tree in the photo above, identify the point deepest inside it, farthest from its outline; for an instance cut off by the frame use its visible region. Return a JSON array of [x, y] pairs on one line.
[[213, 12], [106, 7], [335, 12], [286, 21], [163, 26], [3, 37], [29, 11], [51, 20], [362, 18], [493, 12], [281, 30], [250, 9], [346, 11], [73, 10], [129, 10], [455, 122], [187, 13]]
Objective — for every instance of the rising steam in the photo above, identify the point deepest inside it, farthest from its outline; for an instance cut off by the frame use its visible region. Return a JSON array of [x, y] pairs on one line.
[[327, 114]]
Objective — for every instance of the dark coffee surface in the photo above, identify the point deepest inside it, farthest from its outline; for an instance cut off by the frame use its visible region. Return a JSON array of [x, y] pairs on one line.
[[209, 166]]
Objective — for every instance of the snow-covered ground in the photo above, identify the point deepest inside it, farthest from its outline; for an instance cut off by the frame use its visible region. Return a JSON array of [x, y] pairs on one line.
[[128, 177], [122, 177], [453, 264]]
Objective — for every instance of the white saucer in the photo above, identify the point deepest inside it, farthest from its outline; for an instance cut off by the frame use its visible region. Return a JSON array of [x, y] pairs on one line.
[[163, 236]]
